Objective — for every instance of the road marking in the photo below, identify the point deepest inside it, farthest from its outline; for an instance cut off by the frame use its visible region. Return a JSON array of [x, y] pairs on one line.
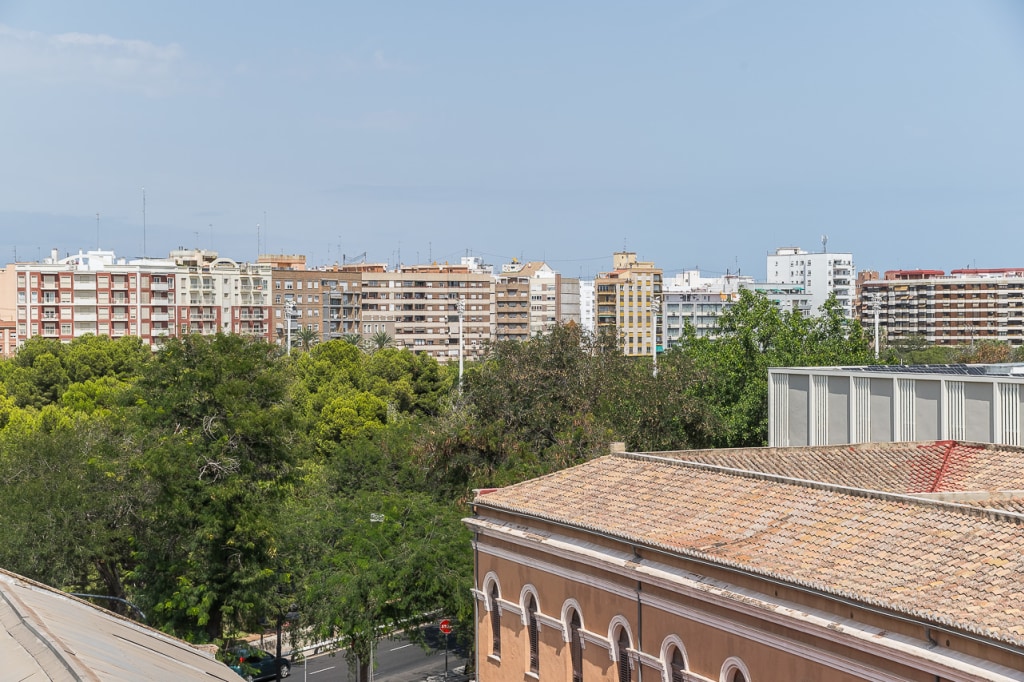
[[400, 647], [323, 670]]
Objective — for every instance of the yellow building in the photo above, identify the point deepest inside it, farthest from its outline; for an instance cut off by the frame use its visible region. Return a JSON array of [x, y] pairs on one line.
[[627, 302]]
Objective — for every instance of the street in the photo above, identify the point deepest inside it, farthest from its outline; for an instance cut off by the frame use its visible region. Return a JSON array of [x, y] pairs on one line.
[[397, 660]]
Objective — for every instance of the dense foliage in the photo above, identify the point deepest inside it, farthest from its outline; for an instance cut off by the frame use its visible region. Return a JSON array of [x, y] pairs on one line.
[[218, 484]]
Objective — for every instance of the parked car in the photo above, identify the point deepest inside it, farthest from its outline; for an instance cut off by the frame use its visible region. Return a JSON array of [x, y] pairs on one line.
[[256, 665]]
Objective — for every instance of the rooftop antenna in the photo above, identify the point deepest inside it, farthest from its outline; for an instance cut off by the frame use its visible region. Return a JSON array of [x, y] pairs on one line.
[[266, 231], [97, 230], [143, 222], [257, 242], [211, 236], [824, 243]]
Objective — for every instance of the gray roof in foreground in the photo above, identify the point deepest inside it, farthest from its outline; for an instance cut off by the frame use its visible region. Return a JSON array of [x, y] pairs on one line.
[[46, 634]]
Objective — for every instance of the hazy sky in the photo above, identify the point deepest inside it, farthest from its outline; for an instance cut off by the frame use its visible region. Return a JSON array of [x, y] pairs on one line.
[[696, 133]]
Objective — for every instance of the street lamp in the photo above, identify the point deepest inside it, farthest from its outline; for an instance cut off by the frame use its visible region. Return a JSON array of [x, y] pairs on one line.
[[289, 315], [876, 305], [462, 313], [655, 309]]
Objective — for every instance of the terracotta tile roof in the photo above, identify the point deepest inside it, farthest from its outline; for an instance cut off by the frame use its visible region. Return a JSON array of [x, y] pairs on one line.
[[943, 563], [927, 467]]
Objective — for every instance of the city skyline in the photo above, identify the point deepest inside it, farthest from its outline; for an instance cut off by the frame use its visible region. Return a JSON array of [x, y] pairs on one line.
[[702, 135]]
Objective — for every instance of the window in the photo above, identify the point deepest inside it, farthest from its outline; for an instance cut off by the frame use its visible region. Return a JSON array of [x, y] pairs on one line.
[[531, 611], [678, 666], [576, 647], [623, 647], [495, 620]]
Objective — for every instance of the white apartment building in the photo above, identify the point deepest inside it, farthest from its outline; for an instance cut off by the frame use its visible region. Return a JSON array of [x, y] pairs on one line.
[[802, 281], [700, 301], [587, 319]]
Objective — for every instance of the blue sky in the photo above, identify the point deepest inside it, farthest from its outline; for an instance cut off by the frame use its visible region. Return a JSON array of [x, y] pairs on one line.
[[698, 134]]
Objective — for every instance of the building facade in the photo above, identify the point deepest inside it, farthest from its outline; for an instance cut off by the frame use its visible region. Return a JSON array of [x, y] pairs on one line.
[[588, 318], [422, 304], [628, 303], [815, 275], [755, 565], [97, 293], [964, 307], [699, 302]]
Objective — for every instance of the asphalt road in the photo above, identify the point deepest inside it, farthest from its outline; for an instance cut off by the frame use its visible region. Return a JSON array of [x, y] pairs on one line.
[[397, 660]]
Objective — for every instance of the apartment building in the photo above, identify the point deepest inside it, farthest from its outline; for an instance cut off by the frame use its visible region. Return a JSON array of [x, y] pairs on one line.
[[421, 304], [698, 301], [153, 298], [627, 302], [220, 294], [801, 282], [963, 307], [512, 305], [96, 293], [588, 317], [553, 299]]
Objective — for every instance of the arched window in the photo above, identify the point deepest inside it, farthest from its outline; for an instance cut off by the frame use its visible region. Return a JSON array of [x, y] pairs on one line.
[[623, 654], [678, 666], [735, 670], [576, 647], [531, 611], [495, 621]]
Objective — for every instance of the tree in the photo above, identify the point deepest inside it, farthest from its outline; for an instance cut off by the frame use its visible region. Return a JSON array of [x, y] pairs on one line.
[[730, 370], [218, 461], [379, 562], [69, 502], [307, 338], [380, 340]]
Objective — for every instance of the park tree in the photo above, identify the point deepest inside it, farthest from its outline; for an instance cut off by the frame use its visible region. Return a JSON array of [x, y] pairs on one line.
[[730, 369], [217, 450], [69, 502], [377, 562]]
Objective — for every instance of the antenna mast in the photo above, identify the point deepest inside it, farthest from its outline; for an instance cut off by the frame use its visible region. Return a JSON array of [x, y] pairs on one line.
[[824, 243], [143, 222]]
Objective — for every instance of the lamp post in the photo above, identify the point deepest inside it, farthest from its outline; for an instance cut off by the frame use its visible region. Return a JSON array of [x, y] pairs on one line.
[[876, 306], [655, 309], [462, 313], [289, 312]]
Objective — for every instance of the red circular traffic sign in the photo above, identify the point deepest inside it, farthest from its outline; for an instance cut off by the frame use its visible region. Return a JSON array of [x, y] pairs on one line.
[[446, 626]]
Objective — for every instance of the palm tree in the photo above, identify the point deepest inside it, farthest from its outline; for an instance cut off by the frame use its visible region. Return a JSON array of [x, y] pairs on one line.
[[381, 340], [353, 338], [307, 338]]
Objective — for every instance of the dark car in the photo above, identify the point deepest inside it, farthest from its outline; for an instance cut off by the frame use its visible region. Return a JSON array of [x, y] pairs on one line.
[[256, 665]]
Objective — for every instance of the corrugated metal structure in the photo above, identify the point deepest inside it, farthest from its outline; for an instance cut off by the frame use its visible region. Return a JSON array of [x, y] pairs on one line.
[[878, 404]]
